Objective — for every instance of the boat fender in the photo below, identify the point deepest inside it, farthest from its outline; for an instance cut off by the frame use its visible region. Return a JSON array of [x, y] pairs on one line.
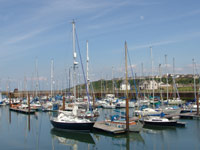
[[162, 114]]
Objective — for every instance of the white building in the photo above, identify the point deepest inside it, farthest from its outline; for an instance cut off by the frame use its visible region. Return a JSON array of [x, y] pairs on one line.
[[149, 85], [123, 86]]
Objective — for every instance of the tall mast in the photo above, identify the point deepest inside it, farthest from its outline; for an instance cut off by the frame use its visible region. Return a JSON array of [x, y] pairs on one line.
[[160, 74], [101, 86], [25, 87], [36, 75], [69, 80], [167, 77], [127, 101], [113, 81], [143, 76], [174, 87], [52, 77], [74, 56], [194, 79], [152, 71], [87, 72]]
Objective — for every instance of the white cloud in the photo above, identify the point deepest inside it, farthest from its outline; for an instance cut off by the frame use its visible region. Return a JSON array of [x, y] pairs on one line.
[[179, 38], [23, 37]]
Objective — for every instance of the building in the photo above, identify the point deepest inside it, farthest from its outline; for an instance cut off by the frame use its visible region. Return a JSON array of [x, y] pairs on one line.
[[123, 86], [149, 85]]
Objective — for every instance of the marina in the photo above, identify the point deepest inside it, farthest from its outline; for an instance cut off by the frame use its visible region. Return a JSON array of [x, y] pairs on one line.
[[18, 131], [99, 75]]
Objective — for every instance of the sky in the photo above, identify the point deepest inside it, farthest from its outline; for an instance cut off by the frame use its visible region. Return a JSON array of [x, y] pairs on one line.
[[39, 31]]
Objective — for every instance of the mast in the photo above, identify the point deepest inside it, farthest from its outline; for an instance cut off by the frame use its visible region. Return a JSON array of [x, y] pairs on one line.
[[143, 78], [25, 87], [174, 78], [52, 77], [87, 68], [127, 101], [160, 73], [194, 79], [36, 75], [74, 56], [101, 87], [152, 72], [166, 77], [113, 82], [69, 80]]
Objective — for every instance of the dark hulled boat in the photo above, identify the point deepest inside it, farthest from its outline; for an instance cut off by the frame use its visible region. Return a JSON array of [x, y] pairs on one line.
[[71, 122], [73, 125], [159, 121]]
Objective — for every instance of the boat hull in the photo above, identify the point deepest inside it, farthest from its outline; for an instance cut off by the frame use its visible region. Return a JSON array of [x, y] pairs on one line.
[[166, 124], [73, 126]]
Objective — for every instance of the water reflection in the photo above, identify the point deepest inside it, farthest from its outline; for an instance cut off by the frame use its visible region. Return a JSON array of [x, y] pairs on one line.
[[131, 136], [21, 131], [159, 128], [120, 141], [69, 137], [9, 116]]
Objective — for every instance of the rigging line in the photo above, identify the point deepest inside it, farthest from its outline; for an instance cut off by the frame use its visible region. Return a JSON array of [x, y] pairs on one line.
[[83, 70], [176, 88], [132, 75], [93, 93], [196, 68], [115, 85], [198, 75]]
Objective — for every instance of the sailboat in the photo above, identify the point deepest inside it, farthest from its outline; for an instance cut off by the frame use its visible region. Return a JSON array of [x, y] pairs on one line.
[[2, 103], [51, 104], [72, 120], [170, 110], [193, 106], [174, 101], [126, 124], [157, 120]]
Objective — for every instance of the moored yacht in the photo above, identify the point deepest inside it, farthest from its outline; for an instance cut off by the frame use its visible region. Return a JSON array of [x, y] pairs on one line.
[[147, 112], [159, 121], [71, 121]]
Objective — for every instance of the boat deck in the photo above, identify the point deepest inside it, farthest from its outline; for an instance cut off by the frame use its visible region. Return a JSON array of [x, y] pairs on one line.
[[102, 126]]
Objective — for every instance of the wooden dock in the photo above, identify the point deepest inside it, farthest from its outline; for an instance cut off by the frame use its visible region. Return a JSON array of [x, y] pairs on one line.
[[190, 115], [102, 126], [24, 111]]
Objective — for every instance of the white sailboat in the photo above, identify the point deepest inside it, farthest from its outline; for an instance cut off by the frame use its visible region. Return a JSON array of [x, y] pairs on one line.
[[192, 107], [157, 120], [74, 120], [166, 109], [174, 101]]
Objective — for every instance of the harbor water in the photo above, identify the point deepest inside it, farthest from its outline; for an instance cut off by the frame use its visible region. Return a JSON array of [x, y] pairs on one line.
[[35, 132]]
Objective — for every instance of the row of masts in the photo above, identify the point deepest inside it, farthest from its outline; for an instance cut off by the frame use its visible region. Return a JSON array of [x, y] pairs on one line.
[[75, 63]]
